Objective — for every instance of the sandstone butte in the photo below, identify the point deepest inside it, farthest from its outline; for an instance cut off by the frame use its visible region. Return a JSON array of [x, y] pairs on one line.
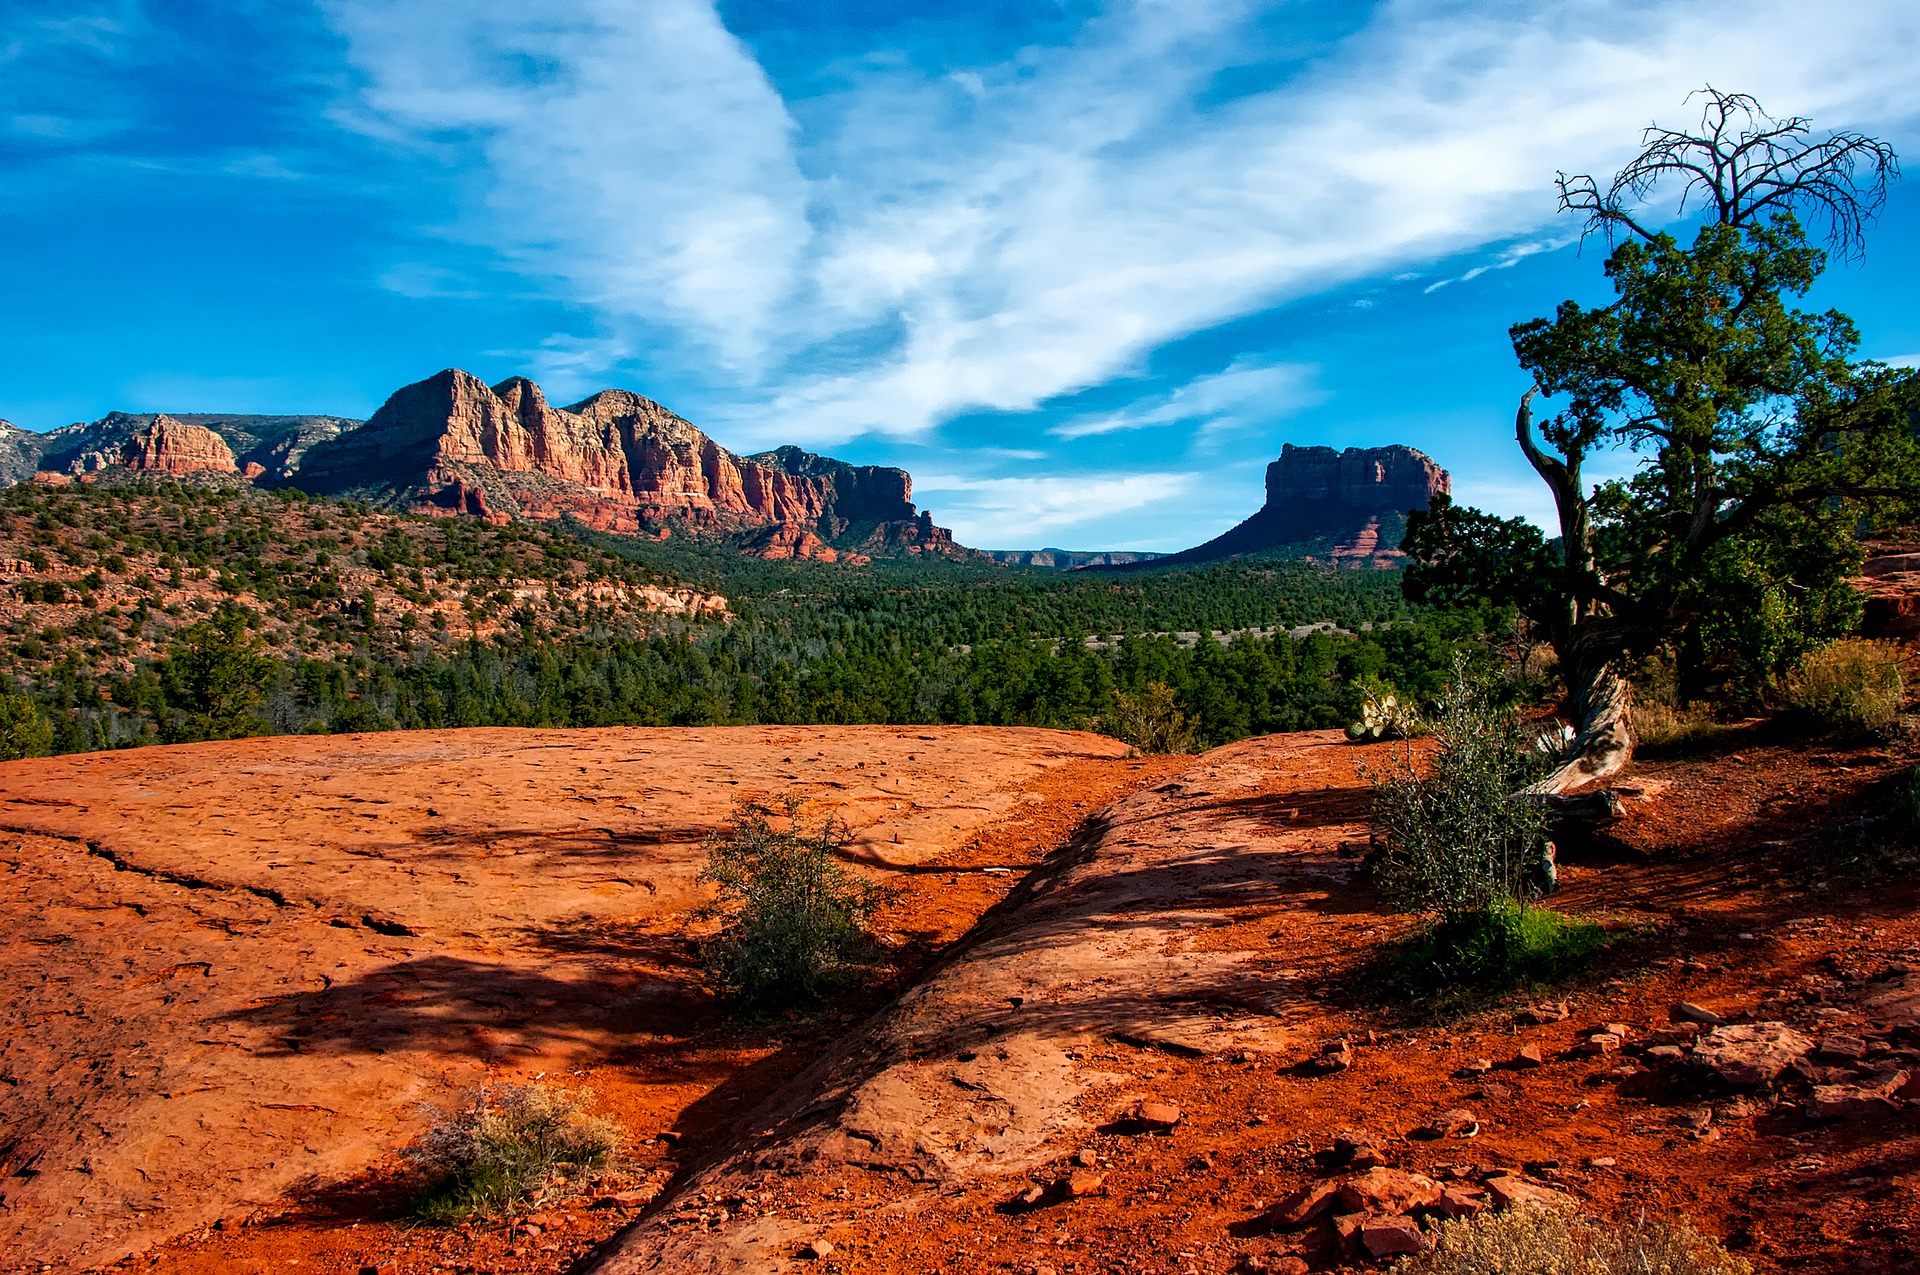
[[237, 968], [615, 461], [1348, 506], [168, 446]]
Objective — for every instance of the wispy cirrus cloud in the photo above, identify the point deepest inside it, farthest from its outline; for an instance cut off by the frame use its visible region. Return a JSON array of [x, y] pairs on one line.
[[1248, 391], [997, 236], [635, 152]]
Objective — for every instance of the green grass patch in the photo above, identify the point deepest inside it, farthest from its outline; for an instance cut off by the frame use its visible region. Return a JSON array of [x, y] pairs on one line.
[[1486, 954]]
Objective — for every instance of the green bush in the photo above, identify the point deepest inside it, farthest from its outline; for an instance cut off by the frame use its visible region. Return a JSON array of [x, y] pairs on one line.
[[793, 918], [23, 731], [1854, 685], [1533, 1241], [506, 1145], [1459, 839], [1151, 720], [1504, 945]]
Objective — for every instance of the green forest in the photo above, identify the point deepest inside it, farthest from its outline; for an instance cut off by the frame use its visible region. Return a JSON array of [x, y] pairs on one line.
[[904, 641]]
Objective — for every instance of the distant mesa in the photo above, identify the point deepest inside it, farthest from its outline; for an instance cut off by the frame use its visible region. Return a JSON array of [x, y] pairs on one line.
[[1348, 508], [1070, 559], [453, 446]]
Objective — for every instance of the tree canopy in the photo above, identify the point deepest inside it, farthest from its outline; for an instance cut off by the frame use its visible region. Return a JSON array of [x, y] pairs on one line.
[[1765, 446]]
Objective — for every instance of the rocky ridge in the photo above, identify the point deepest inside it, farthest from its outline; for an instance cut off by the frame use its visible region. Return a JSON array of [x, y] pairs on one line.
[[268, 447], [1070, 559], [1347, 507], [615, 461]]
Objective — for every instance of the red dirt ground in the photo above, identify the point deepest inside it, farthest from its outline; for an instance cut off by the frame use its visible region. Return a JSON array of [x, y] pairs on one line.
[[238, 971], [1735, 881]]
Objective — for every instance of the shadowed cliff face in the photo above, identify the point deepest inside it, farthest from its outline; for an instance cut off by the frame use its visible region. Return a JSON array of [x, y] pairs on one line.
[[1349, 505], [616, 461]]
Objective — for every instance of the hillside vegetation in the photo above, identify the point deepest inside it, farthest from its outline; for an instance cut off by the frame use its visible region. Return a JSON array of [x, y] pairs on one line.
[[167, 610]]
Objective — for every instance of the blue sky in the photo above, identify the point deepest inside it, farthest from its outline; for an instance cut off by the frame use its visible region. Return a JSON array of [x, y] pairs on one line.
[[1081, 267]]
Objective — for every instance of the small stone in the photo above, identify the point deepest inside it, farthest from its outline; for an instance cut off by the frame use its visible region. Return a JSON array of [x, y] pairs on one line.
[[1839, 1048], [1540, 1015], [1304, 1205], [1281, 1264], [1527, 1057], [818, 1250], [1602, 1043], [1748, 1055], [1492, 1091], [1392, 1236], [1601, 1162], [1085, 1158], [1387, 1191], [1867, 1100], [1510, 1192], [1676, 1034], [1475, 1069], [1688, 1012], [1666, 1054], [1457, 1202], [1335, 1055], [1156, 1117], [1356, 1149], [1082, 1182], [1031, 1197], [1457, 1123], [1695, 1120]]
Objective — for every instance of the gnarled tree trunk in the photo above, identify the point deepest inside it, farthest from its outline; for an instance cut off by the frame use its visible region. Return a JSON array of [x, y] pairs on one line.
[[1598, 698]]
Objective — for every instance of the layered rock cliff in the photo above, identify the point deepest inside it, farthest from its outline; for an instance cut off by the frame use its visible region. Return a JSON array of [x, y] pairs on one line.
[[616, 461], [1349, 507], [168, 446]]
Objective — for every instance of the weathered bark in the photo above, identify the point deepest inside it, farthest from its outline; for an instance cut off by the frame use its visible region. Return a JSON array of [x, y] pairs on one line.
[[1598, 698], [1602, 741]]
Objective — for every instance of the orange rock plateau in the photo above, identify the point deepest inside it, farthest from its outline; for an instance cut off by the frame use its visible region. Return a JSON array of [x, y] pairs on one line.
[[237, 969]]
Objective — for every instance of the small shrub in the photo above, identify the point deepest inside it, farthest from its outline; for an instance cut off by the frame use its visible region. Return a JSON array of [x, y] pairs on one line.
[[1459, 838], [793, 919], [1531, 1241], [506, 1145], [1151, 720], [1853, 685], [1502, 946]]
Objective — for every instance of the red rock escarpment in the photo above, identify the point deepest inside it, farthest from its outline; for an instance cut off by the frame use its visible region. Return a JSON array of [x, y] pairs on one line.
[[167, 446], [1353, 502], [616, 461]]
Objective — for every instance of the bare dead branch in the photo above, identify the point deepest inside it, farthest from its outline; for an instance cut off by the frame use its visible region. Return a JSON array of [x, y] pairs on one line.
[[1744, 165]]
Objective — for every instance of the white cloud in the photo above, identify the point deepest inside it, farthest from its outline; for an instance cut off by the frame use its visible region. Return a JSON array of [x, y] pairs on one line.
[[996, 236], [1248, 391], [1510, 256], [633, 150], [1022, 512], [1902, 360]]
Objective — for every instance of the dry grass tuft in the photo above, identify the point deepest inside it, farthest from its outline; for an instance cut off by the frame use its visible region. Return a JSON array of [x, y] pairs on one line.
[[1852, 685], [1532, 1241], [507, 1144]]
